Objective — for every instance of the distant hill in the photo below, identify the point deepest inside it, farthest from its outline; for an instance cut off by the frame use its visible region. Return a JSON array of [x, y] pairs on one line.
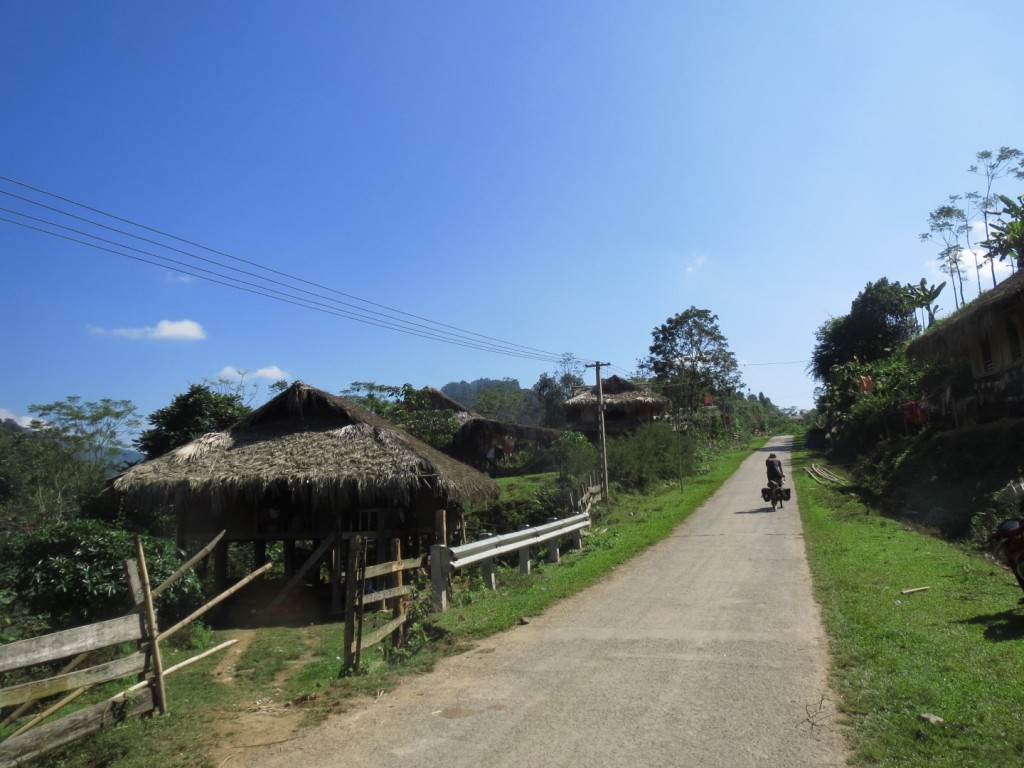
[[525, 412], [10, 425], [468, 393]]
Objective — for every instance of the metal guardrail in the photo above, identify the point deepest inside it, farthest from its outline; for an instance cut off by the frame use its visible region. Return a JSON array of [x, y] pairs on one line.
[[446, 560]]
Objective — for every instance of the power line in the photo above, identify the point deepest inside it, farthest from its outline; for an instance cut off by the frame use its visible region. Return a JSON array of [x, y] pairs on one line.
[[429, 329]]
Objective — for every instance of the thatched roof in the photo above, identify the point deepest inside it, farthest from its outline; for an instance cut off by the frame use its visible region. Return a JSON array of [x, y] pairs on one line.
[[956, 331], [440, 401], [319, 446], [619, 395]]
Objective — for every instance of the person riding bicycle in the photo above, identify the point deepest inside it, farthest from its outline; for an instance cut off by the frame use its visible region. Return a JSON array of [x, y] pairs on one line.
[[774, 467]]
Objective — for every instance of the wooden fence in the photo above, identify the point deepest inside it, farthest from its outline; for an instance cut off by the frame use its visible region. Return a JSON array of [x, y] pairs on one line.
[[138, 627], [357, 598]]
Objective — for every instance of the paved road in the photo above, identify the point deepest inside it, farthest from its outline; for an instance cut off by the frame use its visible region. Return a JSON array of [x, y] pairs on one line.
[[707, 650]]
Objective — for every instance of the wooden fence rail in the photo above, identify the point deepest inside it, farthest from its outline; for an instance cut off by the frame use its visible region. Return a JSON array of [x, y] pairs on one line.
[[139, 627]]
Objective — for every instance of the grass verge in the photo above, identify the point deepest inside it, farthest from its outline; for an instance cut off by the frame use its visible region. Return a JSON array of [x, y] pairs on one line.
[[296, 668], [954, 650]]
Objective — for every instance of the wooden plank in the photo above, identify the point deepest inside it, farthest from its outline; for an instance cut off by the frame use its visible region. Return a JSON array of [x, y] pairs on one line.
[[379, 634], [30, 745], [382, 569], [101, 673], [384, 594], [39, 650]]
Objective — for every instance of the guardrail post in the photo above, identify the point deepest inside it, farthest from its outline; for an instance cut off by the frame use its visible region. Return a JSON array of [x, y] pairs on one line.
[[487, 567], [440, 566], [577, 540], [553, 554], [524, 560]]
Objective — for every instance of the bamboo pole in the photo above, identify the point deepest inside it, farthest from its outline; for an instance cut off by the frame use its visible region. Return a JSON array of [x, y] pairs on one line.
[[49, 711], [25, 707], [152, 630], [192, 561], [218, 599]]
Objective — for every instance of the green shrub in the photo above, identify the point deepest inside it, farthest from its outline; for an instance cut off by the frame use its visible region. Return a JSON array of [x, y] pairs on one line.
[[654, 454], [72, 572]]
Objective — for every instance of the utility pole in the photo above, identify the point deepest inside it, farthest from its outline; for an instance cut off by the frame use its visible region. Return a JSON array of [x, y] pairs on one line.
[[604, 447]]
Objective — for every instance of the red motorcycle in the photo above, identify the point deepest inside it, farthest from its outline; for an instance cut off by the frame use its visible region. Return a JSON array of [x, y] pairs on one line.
[[1010, 538]]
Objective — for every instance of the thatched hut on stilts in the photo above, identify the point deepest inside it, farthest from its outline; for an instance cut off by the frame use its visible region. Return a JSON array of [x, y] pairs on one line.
[[307, 469]]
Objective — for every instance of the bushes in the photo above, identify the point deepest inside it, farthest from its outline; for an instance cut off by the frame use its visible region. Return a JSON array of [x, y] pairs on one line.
[[73, 573], [654, 453]]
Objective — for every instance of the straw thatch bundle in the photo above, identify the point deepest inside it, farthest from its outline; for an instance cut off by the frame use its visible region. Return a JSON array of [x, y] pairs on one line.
[[973, 320], [320, 447]]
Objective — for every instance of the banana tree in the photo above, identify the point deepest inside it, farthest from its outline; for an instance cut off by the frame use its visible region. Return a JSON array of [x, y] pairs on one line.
[[1007, 234]]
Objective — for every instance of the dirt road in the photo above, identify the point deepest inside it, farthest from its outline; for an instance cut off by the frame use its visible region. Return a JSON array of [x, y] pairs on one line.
[[707, 650]]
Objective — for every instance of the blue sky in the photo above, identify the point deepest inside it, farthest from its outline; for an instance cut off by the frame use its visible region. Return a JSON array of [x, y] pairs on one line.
[[562, 177]]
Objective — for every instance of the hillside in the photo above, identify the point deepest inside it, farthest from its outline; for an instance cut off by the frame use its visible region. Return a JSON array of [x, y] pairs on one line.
[[944, 481]]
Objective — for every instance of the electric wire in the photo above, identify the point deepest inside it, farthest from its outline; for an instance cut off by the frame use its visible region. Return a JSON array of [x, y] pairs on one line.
[[424, 332], [494, 344], [434, 331], [269, 293]]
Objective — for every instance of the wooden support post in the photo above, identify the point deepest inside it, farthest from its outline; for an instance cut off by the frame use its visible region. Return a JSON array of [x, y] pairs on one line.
[[220, 566], [577, 539], [337, 605], [259, 553], [440, 565], [289, 557], [398, 601], [553, 553], [152, 631], [355, 548]]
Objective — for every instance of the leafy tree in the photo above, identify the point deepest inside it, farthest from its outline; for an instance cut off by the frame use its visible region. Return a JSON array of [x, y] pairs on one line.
[[690, 357], [949, 225], [59, 465], [992, 166], [880, 321], [190, 415], [552, 390], [408, 408]]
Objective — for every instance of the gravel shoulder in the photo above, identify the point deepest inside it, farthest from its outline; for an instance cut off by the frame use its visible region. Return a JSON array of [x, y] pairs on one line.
[[706, 650]]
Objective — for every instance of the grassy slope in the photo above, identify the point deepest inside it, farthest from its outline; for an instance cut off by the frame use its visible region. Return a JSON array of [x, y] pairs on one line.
[[955, 650]]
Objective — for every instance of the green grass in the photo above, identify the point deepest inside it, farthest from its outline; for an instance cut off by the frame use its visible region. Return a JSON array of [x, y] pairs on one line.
[[955, 650], [299, 666]]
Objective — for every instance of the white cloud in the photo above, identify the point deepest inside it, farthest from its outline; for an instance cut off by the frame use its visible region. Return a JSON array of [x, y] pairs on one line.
[[271, 372], [165, 330]]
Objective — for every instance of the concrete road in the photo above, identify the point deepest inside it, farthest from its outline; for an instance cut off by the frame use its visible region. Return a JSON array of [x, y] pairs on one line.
[[706, 650]]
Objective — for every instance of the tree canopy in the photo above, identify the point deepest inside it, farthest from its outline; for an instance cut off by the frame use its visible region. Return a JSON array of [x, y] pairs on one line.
[[190, 415], [690, 358], [880, 320]]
